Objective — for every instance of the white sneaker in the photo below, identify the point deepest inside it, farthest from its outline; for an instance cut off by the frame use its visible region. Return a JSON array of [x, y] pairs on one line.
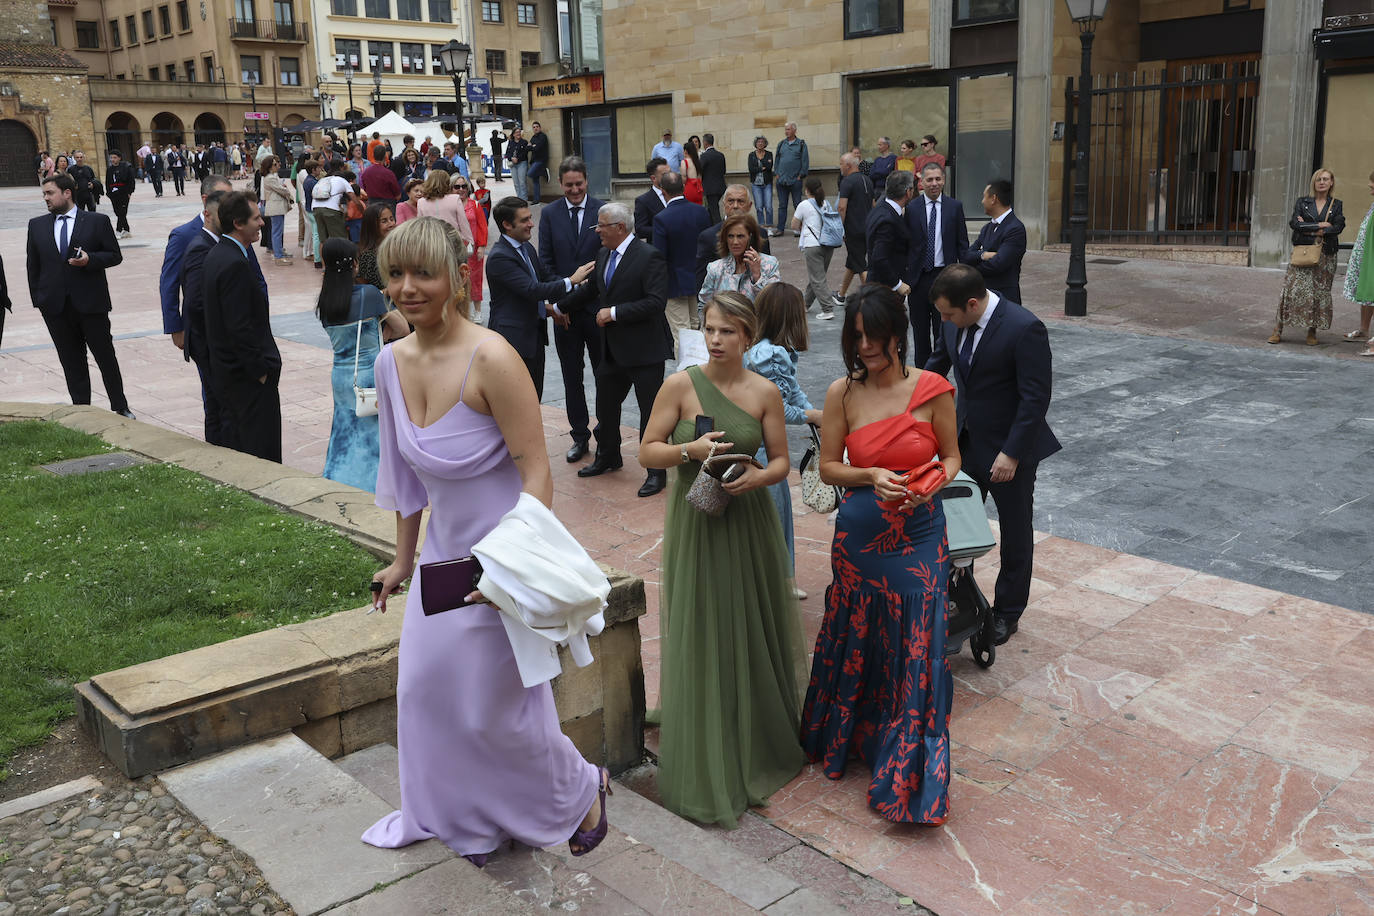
[[798, 594], [826, 316]]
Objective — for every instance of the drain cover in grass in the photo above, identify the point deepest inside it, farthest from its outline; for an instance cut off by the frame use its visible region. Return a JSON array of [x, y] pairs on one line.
[[110, 461]]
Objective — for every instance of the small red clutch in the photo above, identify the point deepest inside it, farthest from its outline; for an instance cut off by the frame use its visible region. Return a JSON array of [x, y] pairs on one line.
[[927, 480]]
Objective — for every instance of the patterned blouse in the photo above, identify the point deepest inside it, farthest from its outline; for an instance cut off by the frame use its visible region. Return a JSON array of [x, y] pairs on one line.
[[721, 276]]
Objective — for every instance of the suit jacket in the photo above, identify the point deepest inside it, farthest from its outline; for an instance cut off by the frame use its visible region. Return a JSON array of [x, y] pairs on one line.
[[153, 164], [516, 294], [712, 172], [647, 206], [559, 251], [889, 245], [1005, 395], [640, 335], [4, 289], [676, 228], [191, 282], [708, 250], [169, 284], [52, 281], [953, 232], [238, 326], [1002, 273]]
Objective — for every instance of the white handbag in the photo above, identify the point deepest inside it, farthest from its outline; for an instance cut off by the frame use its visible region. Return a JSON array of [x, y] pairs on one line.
[[364, 399], [818, 495]]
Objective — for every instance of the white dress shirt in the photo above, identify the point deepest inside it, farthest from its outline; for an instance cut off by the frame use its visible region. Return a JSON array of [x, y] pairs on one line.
[[70, 217], [977, 329], [620, 258]]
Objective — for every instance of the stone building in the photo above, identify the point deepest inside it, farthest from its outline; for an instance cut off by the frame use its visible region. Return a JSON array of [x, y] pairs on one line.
[[189, 70], [508, 38], [1209, 115], [43, 98]]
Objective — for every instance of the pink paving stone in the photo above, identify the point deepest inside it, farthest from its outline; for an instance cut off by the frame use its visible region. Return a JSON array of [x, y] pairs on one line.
[[1227, 594], [1163, 637], [1135, 578], [1304, 632], [1326, 867], [1020, 730], [807, 786], [1228, 817], [1085, 605], [1322, 724], [1084, 686], [1025, 653], [1060, 561], [858, 844]]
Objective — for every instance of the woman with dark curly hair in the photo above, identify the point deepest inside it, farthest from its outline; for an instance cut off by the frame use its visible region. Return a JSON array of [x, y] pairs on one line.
[[378, 221]]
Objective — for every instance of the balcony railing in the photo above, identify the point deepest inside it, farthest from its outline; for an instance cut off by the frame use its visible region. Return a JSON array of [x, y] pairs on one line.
[[269, 30], [107, 90]]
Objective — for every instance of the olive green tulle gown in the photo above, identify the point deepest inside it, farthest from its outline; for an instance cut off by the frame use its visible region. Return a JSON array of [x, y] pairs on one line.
[[730, 708]]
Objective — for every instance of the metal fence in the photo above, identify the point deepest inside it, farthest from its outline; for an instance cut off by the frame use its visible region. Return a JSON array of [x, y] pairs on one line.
[[1172, 155]]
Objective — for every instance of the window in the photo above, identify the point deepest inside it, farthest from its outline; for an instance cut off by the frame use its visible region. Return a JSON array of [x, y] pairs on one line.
[[250, 66], [290, 70], [968, 11], [209, 63], [380, 56], [131, 27], [87, 34], [171, 73], [408, 10], [436, 63], [190, 67], [155, 74], [491, 11], [243, 10], [284, 13], [164, 19], [343, 7], [183, 15], [148, 25], [440, 11], [526, 14], [348, 52], [412, 58], [871, 17], [496, 61], [529, 59], [377, 9], [114, 33]]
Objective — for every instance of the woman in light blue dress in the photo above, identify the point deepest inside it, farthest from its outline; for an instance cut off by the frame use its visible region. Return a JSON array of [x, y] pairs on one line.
[[782, 334], [354, 314]]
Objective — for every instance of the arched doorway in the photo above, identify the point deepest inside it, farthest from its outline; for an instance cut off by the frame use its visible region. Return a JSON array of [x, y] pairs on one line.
[[122, 133], [167, 129], [208, 128], [18, 149]]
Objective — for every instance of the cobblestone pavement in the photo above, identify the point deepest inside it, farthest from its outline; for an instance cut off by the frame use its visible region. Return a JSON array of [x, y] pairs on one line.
[[123, 851]]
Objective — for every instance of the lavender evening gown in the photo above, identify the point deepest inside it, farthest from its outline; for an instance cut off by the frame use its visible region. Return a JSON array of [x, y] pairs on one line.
[[483, 758]]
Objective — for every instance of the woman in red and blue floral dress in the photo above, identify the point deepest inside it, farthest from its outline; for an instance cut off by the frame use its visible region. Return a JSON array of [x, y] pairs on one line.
[[880, 686]]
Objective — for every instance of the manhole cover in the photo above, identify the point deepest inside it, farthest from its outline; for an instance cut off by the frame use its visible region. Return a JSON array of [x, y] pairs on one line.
[[1107, 261], [110, 461]]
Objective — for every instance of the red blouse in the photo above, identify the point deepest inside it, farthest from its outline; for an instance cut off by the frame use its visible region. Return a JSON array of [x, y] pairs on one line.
[[899, 443]]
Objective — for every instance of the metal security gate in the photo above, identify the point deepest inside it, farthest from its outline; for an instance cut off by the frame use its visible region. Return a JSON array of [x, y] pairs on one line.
[[1172, 154], [18, 150]]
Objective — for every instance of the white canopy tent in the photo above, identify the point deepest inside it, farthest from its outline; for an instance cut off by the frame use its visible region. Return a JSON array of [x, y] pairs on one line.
[[392, 127]]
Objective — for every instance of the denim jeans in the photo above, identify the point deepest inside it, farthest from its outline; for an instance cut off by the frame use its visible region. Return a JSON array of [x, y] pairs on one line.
[[763, 203], [518, 171], [278, 231], [535, 171], [795, 192]]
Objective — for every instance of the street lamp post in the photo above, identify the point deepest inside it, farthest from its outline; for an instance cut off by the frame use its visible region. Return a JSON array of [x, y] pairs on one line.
[[377, 92], [1087, 13], [252, 96], [348, 78], [454, 57]]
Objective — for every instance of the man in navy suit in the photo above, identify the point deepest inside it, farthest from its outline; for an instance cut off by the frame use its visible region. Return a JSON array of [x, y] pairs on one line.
[[889, 239], [519, 286], [676, 228], [169, 287], [567, 240], [1000, 354], [1001, 244], [939, 237], [69, 251], [651, 202], [191, 282]]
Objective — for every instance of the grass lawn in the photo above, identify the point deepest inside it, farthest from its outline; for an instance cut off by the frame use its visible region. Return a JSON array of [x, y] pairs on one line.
[[105, 570]]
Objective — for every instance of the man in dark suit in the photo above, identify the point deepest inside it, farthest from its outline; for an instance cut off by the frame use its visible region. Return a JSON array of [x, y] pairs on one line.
[[176, 164], [736, 202], [1000, 354], [191, 320], [153, 165], [120, 184], [519, 286], [651, 202], [628, 293], [567, 240], [4, 300], [245, 365], [1001, 244], [69, 251], [712, 176], [676, 228], [169, 286], [889, 240], [939, 237]]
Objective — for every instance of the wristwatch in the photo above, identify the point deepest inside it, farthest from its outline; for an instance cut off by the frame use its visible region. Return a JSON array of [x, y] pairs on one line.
[[685, 457]]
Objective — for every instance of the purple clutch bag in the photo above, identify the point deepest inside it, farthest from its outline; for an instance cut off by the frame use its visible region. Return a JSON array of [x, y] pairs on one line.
[[446, 585]]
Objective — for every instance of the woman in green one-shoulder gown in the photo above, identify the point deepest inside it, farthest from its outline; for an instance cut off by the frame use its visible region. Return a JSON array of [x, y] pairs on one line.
[[730, 632]]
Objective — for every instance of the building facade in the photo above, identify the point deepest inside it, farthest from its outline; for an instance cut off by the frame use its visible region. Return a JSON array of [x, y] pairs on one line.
[[508, 38]]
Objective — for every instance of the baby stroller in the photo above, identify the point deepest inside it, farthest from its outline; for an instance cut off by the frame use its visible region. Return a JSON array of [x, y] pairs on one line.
[[970, 537]]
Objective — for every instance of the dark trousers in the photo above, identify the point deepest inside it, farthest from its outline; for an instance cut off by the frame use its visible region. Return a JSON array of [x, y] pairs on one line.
[[713, 207], [536, 366], [613, 383], [2, 325], [72, 334], [1015, 501], [925, 320], [218, 429], [582, 333], [156, 178], [179, 180], [85, 202], [254, 412], [120, 202]]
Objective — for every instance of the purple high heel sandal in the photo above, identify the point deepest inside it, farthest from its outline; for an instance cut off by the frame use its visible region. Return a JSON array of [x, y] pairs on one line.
[[584, 841], [478, 858]]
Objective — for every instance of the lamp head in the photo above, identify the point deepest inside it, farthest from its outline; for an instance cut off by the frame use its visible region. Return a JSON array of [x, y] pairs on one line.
[[1087, 13], [454, 57]]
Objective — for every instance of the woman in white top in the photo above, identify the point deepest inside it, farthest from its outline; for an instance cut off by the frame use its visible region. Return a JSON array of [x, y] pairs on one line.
[[807, 219]]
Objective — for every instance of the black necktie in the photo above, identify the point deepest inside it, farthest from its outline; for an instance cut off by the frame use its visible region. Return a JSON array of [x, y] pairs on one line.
[[576, 219], [930, 235], [966, 350], [63, 244]]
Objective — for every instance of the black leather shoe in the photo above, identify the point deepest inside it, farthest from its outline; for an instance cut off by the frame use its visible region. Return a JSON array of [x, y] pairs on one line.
[[1002, 628], [126, 412], [654, 483], [600, 465], [577, 452]]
